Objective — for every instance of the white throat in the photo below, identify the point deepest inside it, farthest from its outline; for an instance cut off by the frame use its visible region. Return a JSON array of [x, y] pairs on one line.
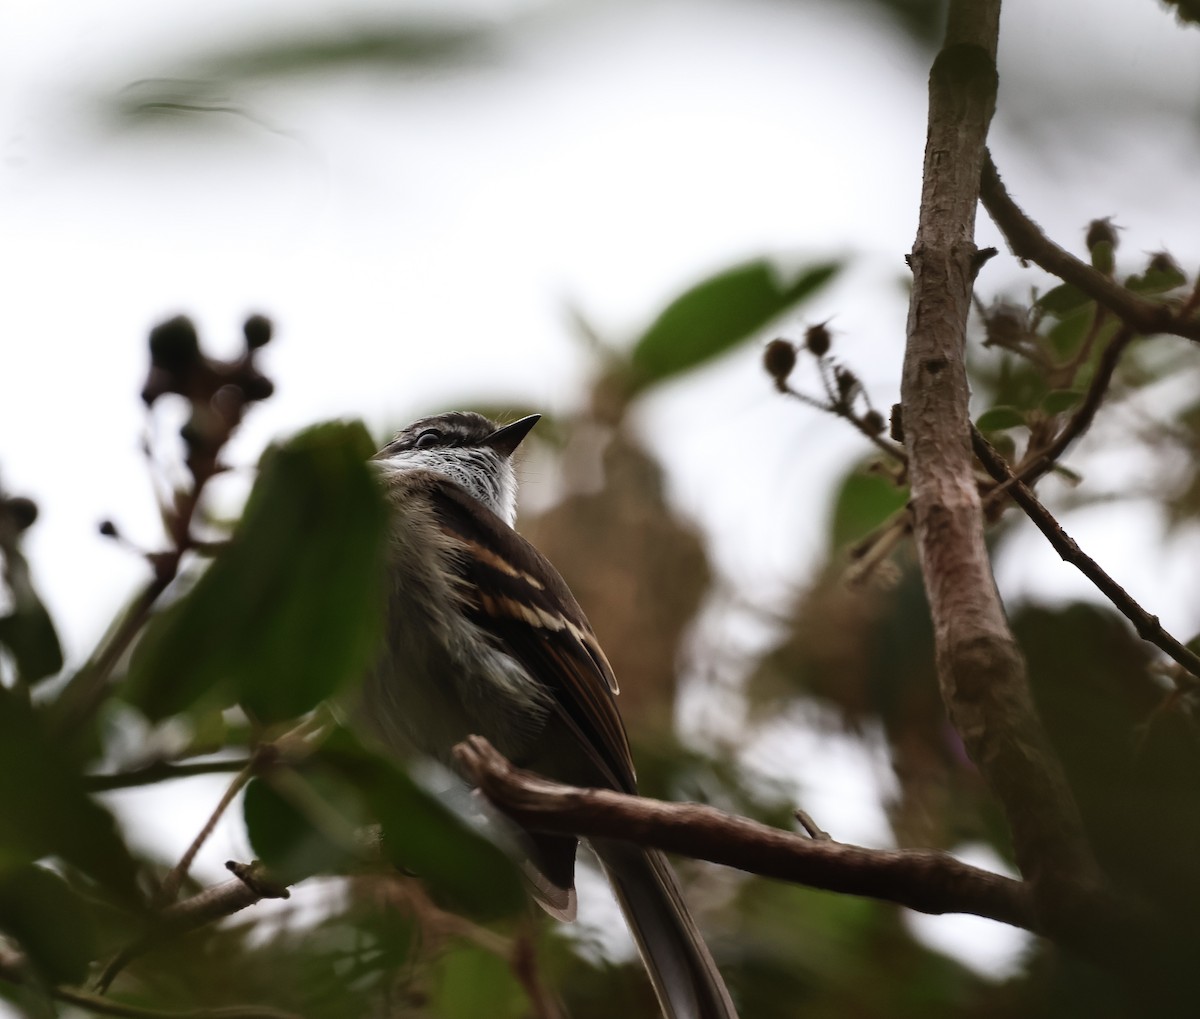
[[485, 475]]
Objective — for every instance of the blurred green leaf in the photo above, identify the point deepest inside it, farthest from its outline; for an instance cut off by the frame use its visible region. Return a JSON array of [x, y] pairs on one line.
[[864, 501], [1156, 280], [470, 982], [303, 822], [301, 825], [1066, 335], [399, 45], [1071, 477], [717, 314], [51, 923], [997, 419], [44, 807], [1059, 400], [29, 635], [1063, 300], [292, 609]]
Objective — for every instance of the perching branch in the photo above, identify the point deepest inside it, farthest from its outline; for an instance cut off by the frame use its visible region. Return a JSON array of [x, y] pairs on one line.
[[249, 888], [1148, 627], [980, 667], [921, 879], [1028, 242]]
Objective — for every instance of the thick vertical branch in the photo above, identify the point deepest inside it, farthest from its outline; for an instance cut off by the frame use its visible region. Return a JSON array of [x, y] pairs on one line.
[[981, 669]]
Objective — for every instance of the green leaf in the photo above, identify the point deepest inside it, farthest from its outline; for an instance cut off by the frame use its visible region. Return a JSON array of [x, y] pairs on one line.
[[1067, 334], [50, 922], [45, 808], [1156, 280], [997, 419], [424, 835], [1063, 300], [1059, 400], [29, 635], [717, 314], [1072, 478], [300, 824], [292, 609], [469, 982], [863, 502]]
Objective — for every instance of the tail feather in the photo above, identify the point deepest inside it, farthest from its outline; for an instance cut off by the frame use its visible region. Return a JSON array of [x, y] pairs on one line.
[[685, 978]]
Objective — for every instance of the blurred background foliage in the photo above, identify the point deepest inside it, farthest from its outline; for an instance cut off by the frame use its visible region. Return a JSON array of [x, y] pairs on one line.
[[429, 919]]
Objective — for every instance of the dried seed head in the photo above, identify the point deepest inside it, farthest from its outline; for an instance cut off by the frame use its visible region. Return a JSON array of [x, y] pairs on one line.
[[22, 511], [174, 345], [779, 358], [818, 339], [257, 329]]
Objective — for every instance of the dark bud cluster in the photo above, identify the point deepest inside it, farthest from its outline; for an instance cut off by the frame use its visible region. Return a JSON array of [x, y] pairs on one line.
[[218, 391], [1164, 263], [257, 329], [873, 422], [1006, 325], [817, 339], [847, 385], [780, 359], [17, 513]]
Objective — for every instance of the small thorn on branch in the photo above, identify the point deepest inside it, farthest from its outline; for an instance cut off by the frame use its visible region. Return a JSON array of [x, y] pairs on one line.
[[811, 826]]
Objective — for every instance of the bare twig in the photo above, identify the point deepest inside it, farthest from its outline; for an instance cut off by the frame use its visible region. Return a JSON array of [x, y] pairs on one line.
[[525, 968], [924, 880], [177, 874], [1147, 626], [841, 409], [205, 907], [161, 771], [1028, 242]]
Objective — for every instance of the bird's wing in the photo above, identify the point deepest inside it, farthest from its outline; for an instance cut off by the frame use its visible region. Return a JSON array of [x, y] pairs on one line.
[[514, 593]]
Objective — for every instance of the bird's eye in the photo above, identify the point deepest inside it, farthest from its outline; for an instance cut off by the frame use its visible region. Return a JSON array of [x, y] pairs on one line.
[[429, 437]]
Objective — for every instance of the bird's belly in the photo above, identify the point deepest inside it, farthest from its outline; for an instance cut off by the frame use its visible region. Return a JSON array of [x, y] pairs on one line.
[[427, 694]]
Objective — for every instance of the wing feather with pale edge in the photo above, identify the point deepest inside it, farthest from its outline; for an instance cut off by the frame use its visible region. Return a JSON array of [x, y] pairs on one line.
[[514, 593]]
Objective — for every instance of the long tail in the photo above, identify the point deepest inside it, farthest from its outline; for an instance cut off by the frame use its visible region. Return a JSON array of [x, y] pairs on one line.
[[685, 978]]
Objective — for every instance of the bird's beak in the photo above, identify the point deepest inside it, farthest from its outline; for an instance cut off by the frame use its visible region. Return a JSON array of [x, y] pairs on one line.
[[507, 438]]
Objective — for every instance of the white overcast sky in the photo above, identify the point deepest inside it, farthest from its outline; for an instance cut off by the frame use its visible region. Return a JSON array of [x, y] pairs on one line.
[[417, 235]]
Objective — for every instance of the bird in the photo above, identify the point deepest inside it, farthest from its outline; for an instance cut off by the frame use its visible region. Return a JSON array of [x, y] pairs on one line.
[[484, 637]]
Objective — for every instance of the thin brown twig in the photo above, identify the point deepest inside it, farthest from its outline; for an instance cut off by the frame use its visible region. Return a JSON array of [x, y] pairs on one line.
[[177, 874], [89, 687], [160, 771], [922, 879], [838, 408], [1147, 626], [204, 907], [524, 964], [1028, 242]]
